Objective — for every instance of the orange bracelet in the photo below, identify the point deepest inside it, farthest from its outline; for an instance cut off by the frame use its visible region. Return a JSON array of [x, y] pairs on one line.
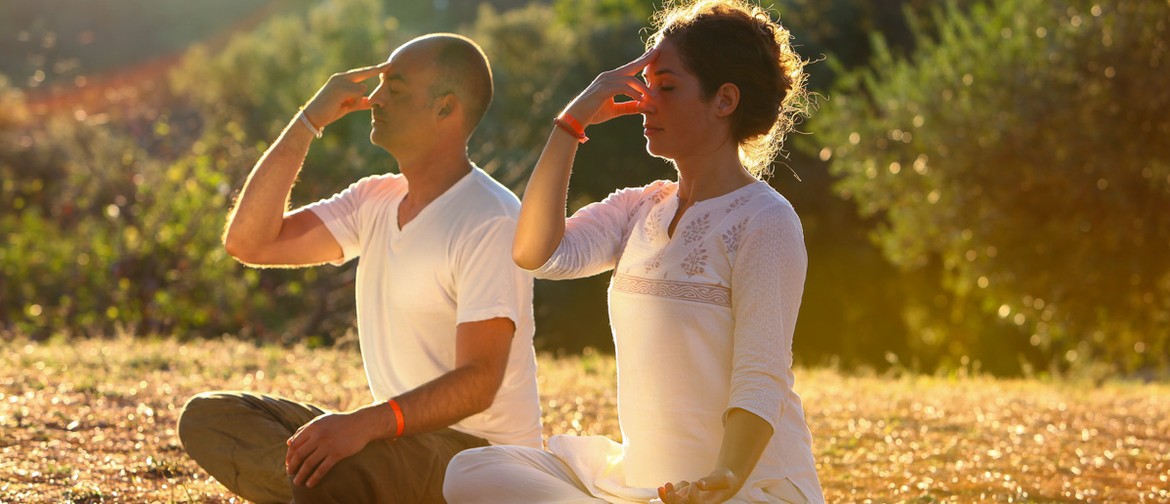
[[571, 126], [397, 417]]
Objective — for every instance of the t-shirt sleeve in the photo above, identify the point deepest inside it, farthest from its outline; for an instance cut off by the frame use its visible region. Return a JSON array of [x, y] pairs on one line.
[[341, 214], [768, 273], [594, 237], [487, 283]]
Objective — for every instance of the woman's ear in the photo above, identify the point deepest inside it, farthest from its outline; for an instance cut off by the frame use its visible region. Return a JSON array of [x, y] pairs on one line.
[[726, 99]]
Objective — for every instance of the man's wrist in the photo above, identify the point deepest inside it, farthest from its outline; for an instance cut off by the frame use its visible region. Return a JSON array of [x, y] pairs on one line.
[[373, 422], [399, 424], [309, 123]]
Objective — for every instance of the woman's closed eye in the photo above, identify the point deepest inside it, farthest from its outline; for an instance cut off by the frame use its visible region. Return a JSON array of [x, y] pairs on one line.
[[665, 87], [657, 84]]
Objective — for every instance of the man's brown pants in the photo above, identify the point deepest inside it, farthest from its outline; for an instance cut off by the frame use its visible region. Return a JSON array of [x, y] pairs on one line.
[[240, 439]]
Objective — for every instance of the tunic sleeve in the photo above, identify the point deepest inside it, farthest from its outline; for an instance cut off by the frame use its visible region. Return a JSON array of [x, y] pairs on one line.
[[594, 237], [768, 273]]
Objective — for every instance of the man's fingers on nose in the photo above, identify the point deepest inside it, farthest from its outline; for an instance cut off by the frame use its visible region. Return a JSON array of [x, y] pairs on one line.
[[361, 103], [361, 74]]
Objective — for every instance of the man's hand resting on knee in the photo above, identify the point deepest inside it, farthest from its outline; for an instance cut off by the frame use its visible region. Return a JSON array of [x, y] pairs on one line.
[[320, 444]]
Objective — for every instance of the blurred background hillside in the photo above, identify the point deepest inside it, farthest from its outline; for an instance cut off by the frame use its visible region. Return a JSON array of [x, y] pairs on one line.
[[984, 184]]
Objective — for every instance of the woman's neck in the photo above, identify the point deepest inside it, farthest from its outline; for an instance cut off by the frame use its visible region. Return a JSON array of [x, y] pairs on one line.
[[711, 175]]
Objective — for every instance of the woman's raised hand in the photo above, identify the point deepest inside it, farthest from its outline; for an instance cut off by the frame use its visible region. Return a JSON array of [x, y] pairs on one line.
[[343, 93], [596, 104]]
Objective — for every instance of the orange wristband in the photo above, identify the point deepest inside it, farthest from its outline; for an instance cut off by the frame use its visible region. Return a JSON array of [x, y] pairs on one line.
[[571, 126], [397, 417]]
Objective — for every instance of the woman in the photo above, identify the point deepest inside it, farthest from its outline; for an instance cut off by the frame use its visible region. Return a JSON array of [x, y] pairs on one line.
[[708, 277]]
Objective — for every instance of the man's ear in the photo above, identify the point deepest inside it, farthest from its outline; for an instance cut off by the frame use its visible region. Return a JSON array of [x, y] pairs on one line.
[[447, 105], [726, 99]]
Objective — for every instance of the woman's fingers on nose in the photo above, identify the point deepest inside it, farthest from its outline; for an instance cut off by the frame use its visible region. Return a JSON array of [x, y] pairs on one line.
[[627, 107]]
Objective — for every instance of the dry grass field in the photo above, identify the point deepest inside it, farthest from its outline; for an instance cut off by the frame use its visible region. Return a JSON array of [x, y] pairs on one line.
[[94, 421]]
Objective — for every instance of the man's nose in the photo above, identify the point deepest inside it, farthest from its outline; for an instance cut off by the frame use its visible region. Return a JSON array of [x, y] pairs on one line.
[[375, 97]]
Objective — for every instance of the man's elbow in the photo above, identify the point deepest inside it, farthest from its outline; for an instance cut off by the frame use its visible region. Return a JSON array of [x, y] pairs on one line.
[[483, 400], [244, 252], [234, 246], [482, 403]]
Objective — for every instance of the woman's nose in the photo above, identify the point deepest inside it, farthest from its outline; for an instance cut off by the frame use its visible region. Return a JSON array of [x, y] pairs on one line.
[[647, 105]]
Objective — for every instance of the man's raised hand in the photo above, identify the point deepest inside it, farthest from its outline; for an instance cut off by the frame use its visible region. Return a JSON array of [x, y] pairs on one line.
[[343, 93]]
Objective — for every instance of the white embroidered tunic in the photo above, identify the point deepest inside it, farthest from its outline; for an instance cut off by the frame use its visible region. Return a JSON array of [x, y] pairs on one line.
[[702, 323]]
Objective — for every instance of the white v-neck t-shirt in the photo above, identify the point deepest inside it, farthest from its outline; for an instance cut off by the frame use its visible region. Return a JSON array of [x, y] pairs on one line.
[[450, 265]]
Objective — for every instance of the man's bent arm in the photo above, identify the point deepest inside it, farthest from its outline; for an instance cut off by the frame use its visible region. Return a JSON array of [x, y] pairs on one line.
[[259, 232], [481, 356]]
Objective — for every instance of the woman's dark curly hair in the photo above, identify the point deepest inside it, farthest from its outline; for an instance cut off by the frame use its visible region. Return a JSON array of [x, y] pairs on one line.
[[722, 41]]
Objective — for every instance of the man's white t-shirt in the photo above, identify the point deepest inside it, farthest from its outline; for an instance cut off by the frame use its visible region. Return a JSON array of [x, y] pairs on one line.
[[451, 264]]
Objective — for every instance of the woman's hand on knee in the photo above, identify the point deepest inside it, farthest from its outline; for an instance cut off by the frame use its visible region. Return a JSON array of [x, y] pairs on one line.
[[716, 487]]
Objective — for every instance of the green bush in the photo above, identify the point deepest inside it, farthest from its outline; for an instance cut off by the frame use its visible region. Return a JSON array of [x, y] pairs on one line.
[[1020, 155], [101, 236]]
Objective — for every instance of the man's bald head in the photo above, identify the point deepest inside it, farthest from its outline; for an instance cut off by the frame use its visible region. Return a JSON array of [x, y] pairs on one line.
[[461, 68]]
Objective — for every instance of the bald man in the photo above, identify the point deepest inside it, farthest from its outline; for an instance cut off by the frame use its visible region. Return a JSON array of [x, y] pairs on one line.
[[444, 316]]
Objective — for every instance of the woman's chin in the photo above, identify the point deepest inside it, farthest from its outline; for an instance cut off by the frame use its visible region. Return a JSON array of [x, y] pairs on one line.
[[655, 149]]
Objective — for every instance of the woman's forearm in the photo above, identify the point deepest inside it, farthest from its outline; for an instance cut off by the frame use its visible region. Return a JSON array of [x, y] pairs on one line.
[[542, 213], [745, 435]]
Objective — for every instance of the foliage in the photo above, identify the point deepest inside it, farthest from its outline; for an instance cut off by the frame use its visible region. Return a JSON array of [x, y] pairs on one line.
[[102, 235], [838, 32], [51, 43], [1021, 155], [115, 219]]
